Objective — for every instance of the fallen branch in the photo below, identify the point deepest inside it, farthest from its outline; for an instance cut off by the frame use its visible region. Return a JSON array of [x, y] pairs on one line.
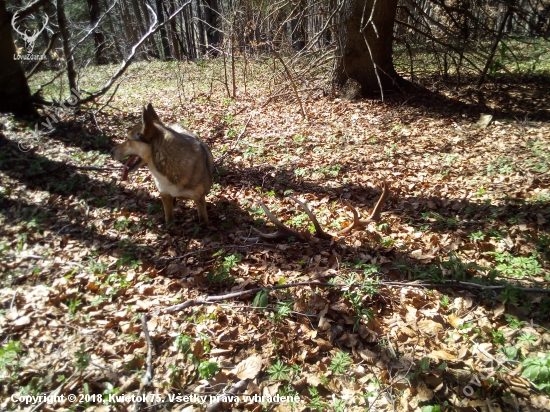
[[220, 160], [149, 373], [239, 386], [55, 169], [447, 284], [219, 298], [292, 83], [59, 262]]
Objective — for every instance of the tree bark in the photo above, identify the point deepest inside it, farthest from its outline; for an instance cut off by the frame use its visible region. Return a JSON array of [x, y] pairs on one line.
[[212, 25], [373, 69], [163, 34], [62, 21], [153, 49], [200, 29], [15, 95], [99, 38], [174, 32]]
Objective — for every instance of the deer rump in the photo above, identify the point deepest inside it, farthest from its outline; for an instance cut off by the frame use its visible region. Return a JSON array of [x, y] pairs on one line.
[[284, 232]]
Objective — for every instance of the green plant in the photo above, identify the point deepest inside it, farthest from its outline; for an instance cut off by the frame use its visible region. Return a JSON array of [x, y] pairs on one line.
[[511, 352], [338, 405], [498, 337], [340, 362], [513, 322], [331, 171], [444, 301], [183, 343], [208, 369], [513, 266], [72, 304], [122, 223], [316, 402], [301, 172], [221, 272], [434, 408], [537, 370], [110, 390], [510, 294], [501, 165], [82, 358], [278, 371], [476, 236], [153, 209], [283, 310], [260, 300], [383, 227], [527, 338], [8, 355]]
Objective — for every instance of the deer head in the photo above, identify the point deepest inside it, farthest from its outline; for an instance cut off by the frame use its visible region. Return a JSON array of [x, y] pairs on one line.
[[29, 40]]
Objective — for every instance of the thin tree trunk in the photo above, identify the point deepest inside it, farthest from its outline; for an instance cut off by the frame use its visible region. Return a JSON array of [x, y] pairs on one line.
[[115, 37], [212, 29], [62, 21], [200, 29], [153, 49], [163, 34], [174, 33], [99, 38], [130, 31], [140, 25], [494, 48]]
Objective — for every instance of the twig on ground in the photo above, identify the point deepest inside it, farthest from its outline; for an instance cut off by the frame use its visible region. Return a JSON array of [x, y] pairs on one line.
[[239, 386], [459, 285], [60, 262], [149, 372], [55, 169], [220, 160]]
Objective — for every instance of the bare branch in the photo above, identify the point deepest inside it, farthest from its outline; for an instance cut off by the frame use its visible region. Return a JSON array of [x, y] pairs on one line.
[[125, 64]]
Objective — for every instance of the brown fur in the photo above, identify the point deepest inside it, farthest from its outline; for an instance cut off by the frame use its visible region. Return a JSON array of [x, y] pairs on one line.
[[181, 165]]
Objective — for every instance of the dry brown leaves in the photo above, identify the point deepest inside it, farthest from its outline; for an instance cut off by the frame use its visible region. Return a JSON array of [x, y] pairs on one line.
[[84, 255]]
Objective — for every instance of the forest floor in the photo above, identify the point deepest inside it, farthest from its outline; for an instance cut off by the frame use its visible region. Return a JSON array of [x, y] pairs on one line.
[[442, 305]]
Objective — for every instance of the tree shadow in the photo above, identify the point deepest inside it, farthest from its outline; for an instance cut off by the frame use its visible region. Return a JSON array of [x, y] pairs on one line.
[[525, 100]]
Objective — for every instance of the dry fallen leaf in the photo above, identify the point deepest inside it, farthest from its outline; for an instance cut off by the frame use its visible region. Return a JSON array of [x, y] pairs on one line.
[[248, 368]]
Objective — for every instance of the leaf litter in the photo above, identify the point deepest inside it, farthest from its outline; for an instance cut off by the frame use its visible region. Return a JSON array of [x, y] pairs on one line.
[[84, 255]]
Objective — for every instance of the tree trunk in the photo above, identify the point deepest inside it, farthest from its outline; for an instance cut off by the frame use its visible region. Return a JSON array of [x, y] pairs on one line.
[[99, 38], [356, 61], [153, 49], [15, 95], [174, 32], [62, 21], [127, 23], [163, 34], [200, 29], [212, 25]]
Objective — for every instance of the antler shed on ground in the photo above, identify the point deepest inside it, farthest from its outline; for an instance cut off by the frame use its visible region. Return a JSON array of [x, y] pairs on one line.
[[284, 232]]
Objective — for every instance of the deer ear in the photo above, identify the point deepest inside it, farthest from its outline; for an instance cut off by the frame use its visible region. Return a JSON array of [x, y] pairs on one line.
[[150, 112], [149, 116]]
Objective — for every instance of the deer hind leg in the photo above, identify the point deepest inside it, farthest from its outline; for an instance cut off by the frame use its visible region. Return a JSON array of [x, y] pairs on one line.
[[168, 203], [201, 208]]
